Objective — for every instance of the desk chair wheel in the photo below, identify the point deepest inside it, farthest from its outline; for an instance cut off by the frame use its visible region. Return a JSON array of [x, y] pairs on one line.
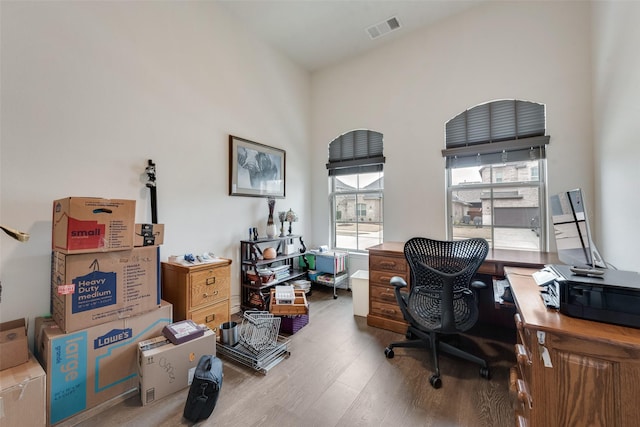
[[435, 381], [485, 373], [389, 353]]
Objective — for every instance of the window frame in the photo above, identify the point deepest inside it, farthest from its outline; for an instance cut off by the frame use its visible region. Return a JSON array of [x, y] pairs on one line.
[[379, 192]]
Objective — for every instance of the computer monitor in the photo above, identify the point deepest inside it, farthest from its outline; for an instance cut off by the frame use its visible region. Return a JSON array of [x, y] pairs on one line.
[[572, 231]]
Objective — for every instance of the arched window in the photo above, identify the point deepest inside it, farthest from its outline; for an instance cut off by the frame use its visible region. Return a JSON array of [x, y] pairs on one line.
[[495, 161], [356, 182]]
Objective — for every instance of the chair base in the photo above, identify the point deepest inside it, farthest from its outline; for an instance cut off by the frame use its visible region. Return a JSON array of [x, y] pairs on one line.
[[433, 340]]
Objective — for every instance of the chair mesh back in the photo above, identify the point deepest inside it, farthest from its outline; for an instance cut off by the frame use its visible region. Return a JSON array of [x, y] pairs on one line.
[[440, 296]]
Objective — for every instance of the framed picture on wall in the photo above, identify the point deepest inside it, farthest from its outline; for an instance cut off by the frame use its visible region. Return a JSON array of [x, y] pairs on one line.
[[255, 169]]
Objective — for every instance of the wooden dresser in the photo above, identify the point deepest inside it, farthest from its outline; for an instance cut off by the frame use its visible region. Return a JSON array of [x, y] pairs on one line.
[[199, 292], [570, 371], [385, 261]]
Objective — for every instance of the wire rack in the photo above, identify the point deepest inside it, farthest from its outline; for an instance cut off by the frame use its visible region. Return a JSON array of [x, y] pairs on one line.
[[262, 361], [259, 331]]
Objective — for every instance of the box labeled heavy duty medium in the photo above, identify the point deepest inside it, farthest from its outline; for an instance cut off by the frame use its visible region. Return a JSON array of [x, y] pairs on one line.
[[22, 401], [94, 288], [164, 368], [92, 224], [95, 365], [14, 349], [148, 234], [299, 305]]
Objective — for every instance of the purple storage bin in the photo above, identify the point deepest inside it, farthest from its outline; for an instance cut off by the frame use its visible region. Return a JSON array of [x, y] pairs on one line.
[[292, 324]]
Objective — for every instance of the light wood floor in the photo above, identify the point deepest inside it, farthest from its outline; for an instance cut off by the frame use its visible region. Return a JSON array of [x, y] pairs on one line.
[[337, 375]]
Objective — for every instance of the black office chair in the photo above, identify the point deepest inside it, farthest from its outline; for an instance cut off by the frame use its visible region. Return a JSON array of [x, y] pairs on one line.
[[442, 300]]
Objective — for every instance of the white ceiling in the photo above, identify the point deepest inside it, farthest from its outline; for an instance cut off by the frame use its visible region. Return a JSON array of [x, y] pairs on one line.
[[317, 33]]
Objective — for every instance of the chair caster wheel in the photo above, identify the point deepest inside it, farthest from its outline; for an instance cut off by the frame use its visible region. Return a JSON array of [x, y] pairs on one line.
[[389, 353], [435, 381], [485, 373], [335, 297]]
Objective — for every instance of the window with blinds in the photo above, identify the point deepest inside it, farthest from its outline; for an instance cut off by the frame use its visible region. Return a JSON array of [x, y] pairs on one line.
[[356, 181], [495, 161]]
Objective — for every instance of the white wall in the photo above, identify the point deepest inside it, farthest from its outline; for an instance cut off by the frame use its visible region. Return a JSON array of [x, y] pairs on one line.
[[407, 89], [92, 90], [616, 38]]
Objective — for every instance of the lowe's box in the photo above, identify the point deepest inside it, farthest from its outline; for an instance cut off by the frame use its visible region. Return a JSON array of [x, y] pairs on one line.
[[89, 289], [92, 224], [92, 366], [165, 368]]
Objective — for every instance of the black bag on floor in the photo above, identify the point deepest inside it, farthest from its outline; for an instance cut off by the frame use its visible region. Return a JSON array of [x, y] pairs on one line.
[[205, 388]]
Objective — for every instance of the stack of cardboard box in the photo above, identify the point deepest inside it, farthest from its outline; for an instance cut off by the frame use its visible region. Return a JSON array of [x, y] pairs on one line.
[[105, 298]]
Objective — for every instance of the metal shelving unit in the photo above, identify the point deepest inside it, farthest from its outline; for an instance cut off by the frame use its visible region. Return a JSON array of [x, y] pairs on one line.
[[254, 293]]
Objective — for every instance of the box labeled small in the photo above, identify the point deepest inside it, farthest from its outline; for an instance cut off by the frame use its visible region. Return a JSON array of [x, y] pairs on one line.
[[92, 224]]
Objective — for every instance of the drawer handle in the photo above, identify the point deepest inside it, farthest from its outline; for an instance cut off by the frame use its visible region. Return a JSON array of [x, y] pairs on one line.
[[387, 264], [211, 281], [388, 311], [521, 421], [518, 321], [210, 318], [522, 356], [388, 295], [206, 295], [523, 394]]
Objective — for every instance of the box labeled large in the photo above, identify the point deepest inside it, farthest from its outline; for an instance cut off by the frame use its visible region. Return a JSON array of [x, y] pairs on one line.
[[92, 224], [22, 390], [14, 349], [94, 288], [89, 367], [165, 368]]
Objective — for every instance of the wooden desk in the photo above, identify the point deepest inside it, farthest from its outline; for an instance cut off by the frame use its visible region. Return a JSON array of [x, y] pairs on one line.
[[593, 369], [387, 260]]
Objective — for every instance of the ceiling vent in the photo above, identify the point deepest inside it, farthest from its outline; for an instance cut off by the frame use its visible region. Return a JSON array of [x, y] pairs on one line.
[[383, 28]]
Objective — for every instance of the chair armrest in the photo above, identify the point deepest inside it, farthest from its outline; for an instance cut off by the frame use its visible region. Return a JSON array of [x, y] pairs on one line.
[[398, 282], [478, 284]]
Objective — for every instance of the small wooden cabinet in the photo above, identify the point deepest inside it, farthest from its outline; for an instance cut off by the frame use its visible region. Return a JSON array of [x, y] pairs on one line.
[[570, 371], [198, 292], [385, 261]]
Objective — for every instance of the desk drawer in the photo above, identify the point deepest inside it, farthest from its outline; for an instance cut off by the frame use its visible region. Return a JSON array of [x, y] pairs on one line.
[[212, 316], [389, 311], [382, 278], [209, 286], [384, 294], [388, 263]]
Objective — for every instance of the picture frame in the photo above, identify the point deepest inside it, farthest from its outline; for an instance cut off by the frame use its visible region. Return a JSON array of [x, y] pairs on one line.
[[256, 170]]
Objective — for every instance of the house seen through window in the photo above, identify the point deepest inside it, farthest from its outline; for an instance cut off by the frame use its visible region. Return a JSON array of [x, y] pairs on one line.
[[495, 155], [356, 186]]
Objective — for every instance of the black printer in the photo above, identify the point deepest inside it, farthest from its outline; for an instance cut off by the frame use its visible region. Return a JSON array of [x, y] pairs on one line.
[[613, 297]]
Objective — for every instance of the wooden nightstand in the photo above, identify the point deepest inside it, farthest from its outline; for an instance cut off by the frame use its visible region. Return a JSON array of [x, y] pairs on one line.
[[198, 292]]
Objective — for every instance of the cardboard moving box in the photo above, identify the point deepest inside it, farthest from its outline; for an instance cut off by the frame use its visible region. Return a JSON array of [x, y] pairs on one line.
[[14, 349], [22, 390], [89, 367], [89, 289], [92, 224], [148, 235], [165, 368]]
